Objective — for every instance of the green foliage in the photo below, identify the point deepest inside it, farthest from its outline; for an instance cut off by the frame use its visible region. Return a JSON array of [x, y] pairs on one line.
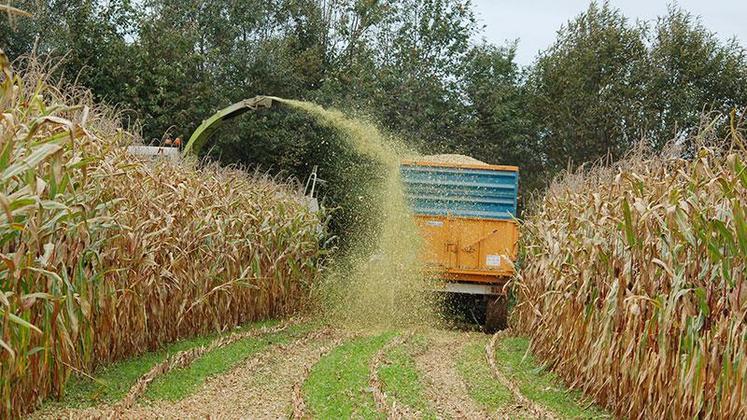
[[586, 88], [604, 84], [90, 35], [690, 71], [496, 125]]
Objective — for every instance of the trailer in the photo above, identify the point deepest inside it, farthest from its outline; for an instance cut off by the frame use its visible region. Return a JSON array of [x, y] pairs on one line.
[[466, 216]]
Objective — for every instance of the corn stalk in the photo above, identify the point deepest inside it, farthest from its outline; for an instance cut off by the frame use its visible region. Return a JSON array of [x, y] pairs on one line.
[[105, 256], [633, 286]]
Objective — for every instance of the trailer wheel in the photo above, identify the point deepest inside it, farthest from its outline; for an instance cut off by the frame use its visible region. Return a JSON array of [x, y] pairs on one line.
[[496, 313]]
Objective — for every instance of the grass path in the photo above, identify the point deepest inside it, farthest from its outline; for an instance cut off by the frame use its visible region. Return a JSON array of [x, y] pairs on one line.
[[180, 383], [259, 388], [304, 368], [337, 386], [539, 385], [111, 383], [503, 378], [522, 406], [400, 380], [384, 403], [492, 396], [177, 384], [310, 371]]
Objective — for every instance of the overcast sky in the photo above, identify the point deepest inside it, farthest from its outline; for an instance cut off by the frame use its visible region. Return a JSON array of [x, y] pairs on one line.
[[534, 22]]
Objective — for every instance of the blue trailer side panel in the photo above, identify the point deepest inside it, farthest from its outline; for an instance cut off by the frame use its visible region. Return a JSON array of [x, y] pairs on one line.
[[461, 192]]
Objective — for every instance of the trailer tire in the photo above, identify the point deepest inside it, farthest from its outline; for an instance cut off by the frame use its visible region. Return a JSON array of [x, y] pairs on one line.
[[496, 314]]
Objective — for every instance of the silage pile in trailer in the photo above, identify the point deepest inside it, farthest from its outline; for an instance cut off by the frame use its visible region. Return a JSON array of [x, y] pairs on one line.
[[452, 159], [105, 255], [633, 285]]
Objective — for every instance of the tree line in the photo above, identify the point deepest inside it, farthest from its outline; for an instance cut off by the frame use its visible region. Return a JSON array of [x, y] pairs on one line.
[[414, 66]]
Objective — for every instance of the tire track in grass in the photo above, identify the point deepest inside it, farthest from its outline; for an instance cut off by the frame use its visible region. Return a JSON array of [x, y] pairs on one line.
[[337, 386], [385, 403], [298, 404], [111, 383], [224, 353], [482, 387], [400, 381], [179, 383], [445, 388], [260, 388], [523, 403], [539, 384], [270, 392], [185, 358]]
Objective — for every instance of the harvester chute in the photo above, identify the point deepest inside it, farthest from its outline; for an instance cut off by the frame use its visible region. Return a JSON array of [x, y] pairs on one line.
[[208, 126]]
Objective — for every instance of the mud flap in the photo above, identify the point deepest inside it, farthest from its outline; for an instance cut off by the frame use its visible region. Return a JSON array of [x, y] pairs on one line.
[[496, 313]]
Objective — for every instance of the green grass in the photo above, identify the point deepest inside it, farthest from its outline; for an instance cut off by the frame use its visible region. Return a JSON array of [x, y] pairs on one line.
[[337, 386], [400, 378], [180, 383], [113, 381], [481, 385], [539, 384]]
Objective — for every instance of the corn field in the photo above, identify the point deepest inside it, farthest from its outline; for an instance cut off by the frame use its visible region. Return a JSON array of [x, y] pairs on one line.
[[633, 286], [106, 256]]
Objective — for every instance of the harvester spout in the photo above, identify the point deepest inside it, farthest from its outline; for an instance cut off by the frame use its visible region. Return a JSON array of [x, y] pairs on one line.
[[208, 126]]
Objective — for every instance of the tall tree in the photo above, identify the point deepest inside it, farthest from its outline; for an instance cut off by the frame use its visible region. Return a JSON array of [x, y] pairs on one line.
[[92, 36], [690, 71], [587, 88], [405, 72], [496, 126]]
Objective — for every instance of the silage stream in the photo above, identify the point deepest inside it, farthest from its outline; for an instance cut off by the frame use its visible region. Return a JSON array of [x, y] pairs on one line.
[[386, 287]]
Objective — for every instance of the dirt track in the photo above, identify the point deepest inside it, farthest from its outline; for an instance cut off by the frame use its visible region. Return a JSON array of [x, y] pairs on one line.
[[445, 388]]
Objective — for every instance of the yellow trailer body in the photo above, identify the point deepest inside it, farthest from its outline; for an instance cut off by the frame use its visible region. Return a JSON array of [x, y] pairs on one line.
[[466, 215], [469, 249]]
